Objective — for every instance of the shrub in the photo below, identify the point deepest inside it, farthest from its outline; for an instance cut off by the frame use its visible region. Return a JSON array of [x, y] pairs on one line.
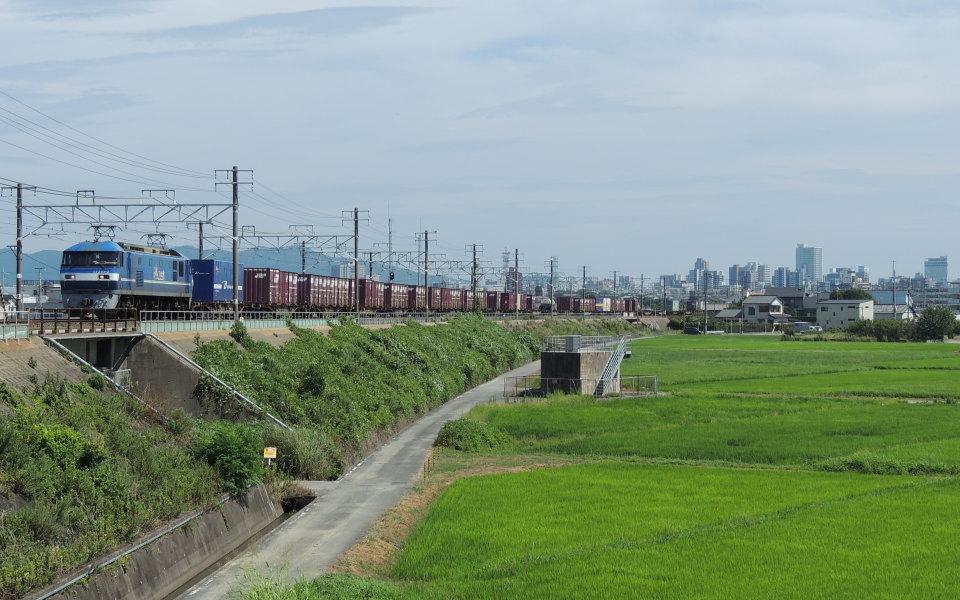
[[97, 381], [234, 450], [470, 436]]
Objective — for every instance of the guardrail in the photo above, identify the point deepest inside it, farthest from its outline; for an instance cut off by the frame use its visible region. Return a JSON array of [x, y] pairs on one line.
[[581, 343]]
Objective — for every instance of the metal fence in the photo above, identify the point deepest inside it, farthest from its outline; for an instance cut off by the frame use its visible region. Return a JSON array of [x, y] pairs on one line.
[[52, 321], [535, 386], [581, 343], [64, 321]]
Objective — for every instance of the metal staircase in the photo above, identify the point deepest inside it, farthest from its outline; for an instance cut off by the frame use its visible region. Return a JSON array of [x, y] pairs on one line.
[[610, 371]]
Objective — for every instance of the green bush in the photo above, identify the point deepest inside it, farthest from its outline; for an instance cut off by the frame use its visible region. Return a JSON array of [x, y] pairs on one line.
[[470, 436], [234, 450], [88, 474]]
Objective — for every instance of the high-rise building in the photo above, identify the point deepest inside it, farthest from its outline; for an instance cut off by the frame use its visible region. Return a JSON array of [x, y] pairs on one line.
[[764, 275], [780, 275], [935, 269], [810, 263], [734, 277]]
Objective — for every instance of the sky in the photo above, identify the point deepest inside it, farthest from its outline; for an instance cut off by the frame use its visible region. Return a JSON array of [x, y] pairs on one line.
[[627, 135]]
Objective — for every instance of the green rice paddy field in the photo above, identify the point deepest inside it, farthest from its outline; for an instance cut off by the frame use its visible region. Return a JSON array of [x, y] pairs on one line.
[[767, 469]]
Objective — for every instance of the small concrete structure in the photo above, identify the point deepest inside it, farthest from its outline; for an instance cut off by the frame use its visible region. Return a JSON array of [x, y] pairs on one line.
[[575, 363]]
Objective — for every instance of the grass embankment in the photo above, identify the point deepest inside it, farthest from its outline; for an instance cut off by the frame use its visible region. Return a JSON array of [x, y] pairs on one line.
[[81, 473], [340, 389], [751, 477], [545, 327]]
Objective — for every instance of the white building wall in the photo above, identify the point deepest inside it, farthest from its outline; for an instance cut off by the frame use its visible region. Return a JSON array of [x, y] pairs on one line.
[[837, 314]]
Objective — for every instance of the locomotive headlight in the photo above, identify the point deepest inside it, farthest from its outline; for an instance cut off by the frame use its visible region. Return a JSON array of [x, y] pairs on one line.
[[69, 276], [103, 276]]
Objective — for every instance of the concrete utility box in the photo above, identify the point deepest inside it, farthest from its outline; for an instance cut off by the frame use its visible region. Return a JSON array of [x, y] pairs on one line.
[[575, 363]]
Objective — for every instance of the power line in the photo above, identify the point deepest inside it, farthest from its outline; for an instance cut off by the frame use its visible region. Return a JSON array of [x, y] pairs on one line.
[[87, 135]]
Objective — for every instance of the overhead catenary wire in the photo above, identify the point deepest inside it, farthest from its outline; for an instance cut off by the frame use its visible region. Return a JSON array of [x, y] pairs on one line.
[[88, 137]]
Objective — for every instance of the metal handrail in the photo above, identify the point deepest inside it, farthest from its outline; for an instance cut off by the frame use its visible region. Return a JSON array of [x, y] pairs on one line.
[[613, 364], [233, 390]]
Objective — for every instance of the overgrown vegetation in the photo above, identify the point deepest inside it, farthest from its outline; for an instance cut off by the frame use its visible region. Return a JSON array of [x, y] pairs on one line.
[[542, 328], [470, 435], [81, 473], [354, 382]]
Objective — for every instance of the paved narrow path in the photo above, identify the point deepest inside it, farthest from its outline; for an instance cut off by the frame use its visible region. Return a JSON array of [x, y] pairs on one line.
[[309, 544]]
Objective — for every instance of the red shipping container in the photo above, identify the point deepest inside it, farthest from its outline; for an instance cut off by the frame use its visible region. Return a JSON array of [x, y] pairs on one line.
[[468, 297], [441, 299], [396, 296], [418, 297], [508, 302], [308, 290], [372, 294], [456, 300], [492, 302]]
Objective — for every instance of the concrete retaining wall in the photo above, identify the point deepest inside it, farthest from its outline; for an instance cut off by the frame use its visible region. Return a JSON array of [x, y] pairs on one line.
[[161, 378], [158, 569], [583, 369]]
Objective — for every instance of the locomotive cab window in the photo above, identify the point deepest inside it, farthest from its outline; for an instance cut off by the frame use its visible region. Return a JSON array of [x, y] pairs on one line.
[[90, 259]]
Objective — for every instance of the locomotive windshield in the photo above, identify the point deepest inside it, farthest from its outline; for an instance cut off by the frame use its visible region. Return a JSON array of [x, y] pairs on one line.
[[90, 259]]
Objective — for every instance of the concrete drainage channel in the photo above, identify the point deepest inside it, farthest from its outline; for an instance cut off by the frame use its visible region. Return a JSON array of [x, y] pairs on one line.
[[290, 508], [165, 564]]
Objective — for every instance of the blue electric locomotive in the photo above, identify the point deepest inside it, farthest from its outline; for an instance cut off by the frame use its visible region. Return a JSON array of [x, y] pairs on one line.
[[123, 275]]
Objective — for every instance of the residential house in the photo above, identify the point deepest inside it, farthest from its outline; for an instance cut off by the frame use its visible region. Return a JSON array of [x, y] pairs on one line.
[[763, 309], [837, 314], [885, 308]]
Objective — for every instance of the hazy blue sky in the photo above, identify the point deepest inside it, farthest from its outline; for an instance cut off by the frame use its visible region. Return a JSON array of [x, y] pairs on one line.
[[631, 135]]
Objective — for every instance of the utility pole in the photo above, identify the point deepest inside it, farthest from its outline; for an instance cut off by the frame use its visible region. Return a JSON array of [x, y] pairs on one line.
[[893, 267], [614, 284], [200, 241], [426, 267], [390, 247], [19, 247], [583, 289], [356, 261], [516, 281], [370, 265], [553, 305], [303, 257], [236, 248], [473, 275], [40, 289], [705, 301], [663, 283], [235, 206], [640, 307], [355, 216]]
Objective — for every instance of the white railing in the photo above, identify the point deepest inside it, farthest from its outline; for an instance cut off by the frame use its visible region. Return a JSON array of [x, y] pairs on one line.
[[611, 368]]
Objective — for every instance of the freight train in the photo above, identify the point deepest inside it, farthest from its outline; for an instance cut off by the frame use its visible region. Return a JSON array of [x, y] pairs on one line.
[[108, 275]]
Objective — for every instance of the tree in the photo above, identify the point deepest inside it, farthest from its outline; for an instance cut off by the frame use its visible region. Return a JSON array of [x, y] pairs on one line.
[[851, 294], [935, 322]]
